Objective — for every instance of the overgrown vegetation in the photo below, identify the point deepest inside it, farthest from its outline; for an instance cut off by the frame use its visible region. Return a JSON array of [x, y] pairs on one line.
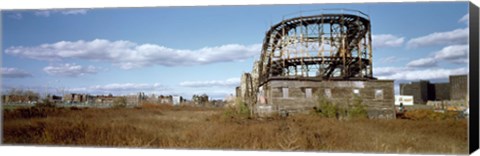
[[425, 114], [238, 110], [191, 127], [357, 110], [352, 110], [326, 108]]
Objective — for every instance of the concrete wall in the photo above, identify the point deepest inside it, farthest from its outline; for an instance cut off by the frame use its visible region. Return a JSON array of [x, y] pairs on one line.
[[442, 91], [339, 92], [422, 91], [458, 87]]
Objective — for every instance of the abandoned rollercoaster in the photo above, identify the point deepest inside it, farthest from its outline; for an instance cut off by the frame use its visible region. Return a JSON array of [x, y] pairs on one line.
[[323, 52], [324, 46]]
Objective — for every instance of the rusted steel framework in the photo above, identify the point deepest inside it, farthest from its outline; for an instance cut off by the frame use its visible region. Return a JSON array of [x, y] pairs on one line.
[[331, 46]]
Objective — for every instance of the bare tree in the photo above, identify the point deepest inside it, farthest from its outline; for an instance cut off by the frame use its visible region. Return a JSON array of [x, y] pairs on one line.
[[20, 95]]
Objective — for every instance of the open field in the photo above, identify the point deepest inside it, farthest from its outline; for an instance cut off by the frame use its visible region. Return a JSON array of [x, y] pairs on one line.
[[209, 128]]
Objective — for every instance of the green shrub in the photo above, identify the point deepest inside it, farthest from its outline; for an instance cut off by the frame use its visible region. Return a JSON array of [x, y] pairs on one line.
[[357, 109], [240, 109], [326, 108], [243, 109]]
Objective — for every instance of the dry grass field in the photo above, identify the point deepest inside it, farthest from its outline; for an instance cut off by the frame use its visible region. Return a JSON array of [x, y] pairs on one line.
[[209, 128]]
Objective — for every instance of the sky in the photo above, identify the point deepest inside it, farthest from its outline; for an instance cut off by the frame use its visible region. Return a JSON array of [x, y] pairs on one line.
[[205, 49]]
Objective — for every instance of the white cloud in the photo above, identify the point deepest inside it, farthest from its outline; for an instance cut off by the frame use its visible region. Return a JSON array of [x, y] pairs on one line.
[[383, 71], [457, 54], [47, 13], [423, 74], [71, 70], [232, 82], [387, 40], [453, 53], [389, 59], [423, 62], [14, 73], [464, 19], [127, 55], [457, 36]]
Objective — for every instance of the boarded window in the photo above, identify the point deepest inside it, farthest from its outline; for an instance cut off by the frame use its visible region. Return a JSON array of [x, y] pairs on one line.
[[356, 91], [378, 94], [285, 92], [308, 92], [328, 93]]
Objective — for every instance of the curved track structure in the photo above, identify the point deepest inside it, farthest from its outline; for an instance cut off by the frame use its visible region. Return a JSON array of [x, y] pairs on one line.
[[332, 46]]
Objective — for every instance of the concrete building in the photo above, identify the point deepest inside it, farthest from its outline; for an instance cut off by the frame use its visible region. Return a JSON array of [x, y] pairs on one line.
[[424, 91], [301, 96], [442, 91]]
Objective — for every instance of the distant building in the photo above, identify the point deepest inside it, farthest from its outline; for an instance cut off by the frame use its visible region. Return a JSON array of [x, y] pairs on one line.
[[176, 100], [423, 91], [73, 98], [54, 98], [152, 98], [200, 100], [136, 99], [25, 97], [101, 99], [164, 99]]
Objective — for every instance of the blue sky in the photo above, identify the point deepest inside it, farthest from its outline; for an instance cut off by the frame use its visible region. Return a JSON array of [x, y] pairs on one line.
[[193, 50]]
